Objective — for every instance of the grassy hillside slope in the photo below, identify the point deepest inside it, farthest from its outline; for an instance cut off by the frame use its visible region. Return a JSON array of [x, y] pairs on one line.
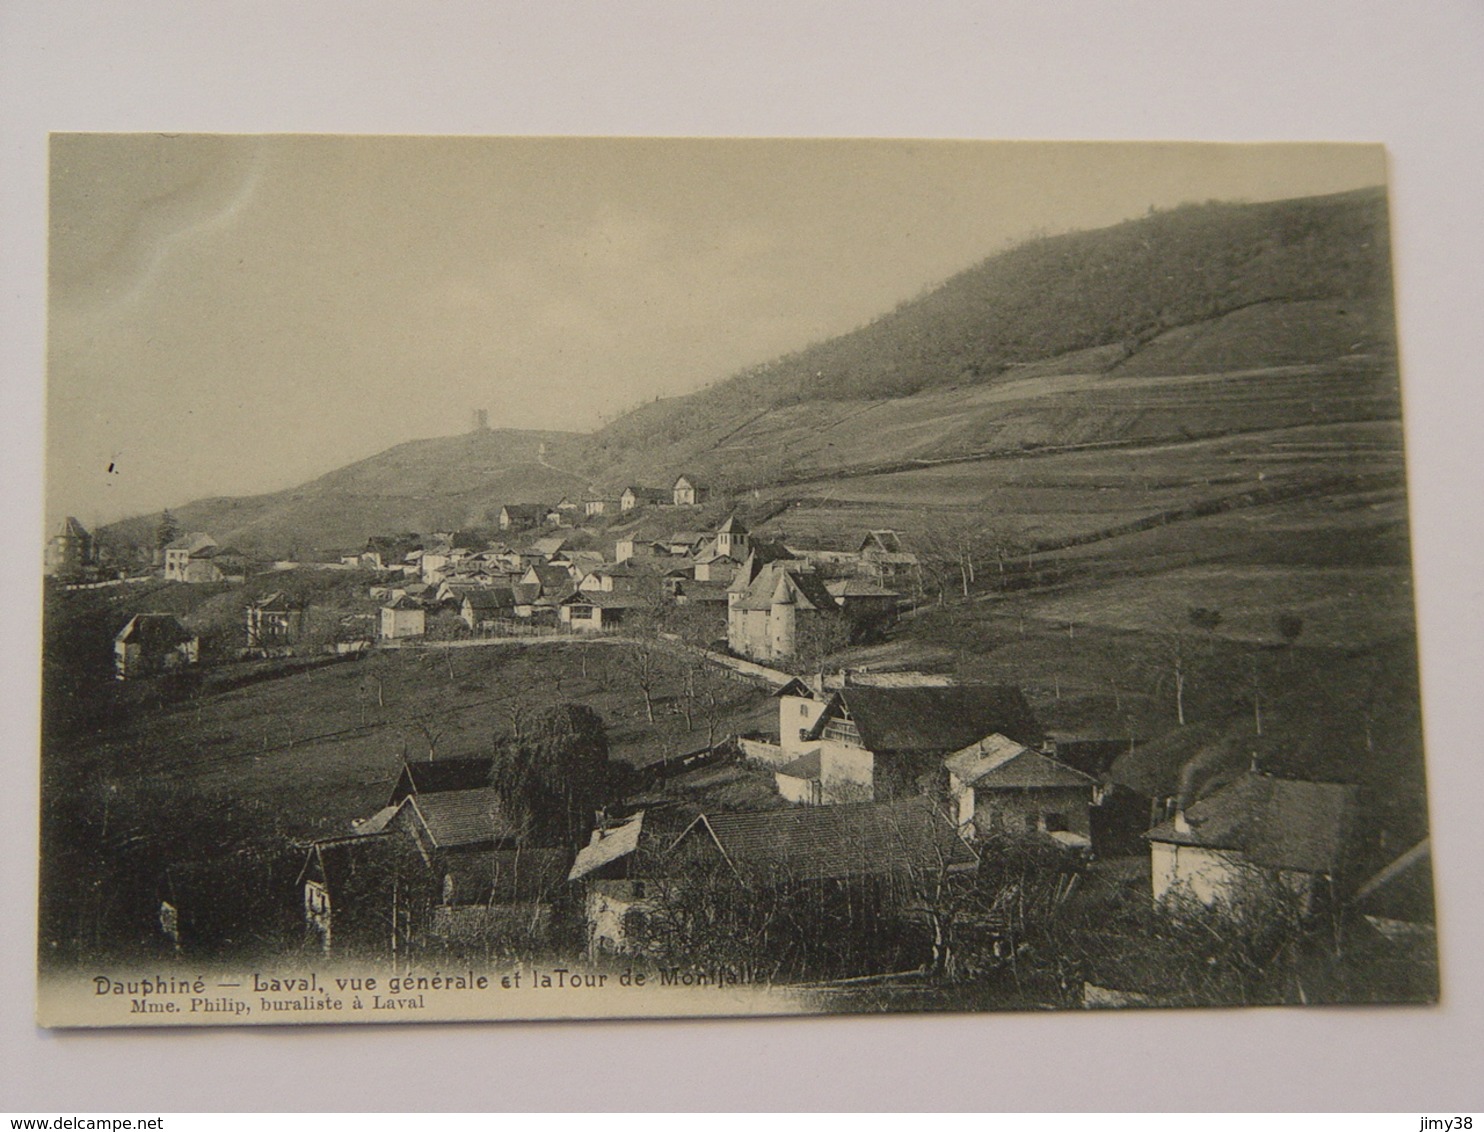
[[1293, 287], [423, 485]]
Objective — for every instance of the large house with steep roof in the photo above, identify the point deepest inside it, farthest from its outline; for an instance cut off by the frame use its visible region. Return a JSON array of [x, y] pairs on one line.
[[769, 617]]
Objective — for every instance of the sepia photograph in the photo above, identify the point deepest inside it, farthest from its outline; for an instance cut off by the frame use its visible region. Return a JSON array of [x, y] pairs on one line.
[[531, 577]]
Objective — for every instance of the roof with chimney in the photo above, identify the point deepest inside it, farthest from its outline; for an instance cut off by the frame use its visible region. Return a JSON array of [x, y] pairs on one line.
[[1275, 822], [998, 763]]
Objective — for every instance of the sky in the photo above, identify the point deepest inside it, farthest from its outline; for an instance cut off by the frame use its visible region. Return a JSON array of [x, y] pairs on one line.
[[235, 314]]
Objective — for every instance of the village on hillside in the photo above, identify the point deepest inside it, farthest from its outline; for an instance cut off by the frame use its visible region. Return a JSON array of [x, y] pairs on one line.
[[692, 767]]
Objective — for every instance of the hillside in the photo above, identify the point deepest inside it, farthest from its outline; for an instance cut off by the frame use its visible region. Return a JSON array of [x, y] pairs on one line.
[[1204, 321], [423, 485], [1297, 287]]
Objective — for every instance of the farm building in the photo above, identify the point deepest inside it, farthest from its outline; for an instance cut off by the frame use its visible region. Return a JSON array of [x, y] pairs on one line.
[[863, 602], [365, 894], [614, 893], [832, 844], [1253, 838], [151, 643], [998, 784], [883, 557]]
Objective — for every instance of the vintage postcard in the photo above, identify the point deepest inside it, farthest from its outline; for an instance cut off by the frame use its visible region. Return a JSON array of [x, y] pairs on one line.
[[503, 578]]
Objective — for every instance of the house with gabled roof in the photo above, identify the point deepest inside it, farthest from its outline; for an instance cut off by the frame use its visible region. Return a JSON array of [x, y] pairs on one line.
[[485, 606], [883, 556], [596, 610], [403, 617], [519, 516], [151, 643], [456, 820], [1254, 837], [178, 554], [350, 886], [999, 785], [633, 497], [880, 743], [687, 491]]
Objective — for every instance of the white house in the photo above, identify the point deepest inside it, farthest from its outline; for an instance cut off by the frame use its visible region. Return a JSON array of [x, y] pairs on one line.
[[1248, 835], [402, 618], [999, 784], [686, 492]]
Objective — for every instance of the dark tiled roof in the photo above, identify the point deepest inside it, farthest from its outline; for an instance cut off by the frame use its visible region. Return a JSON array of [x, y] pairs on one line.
[[776, 583], [553, 578], [490, 597], [437, 776], [153, 631], [461, 817], [998, 763], [1276, 822], [835, 842], [942, 718]]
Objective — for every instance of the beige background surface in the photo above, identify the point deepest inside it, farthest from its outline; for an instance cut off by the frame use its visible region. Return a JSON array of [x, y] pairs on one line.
[[1409, 75]]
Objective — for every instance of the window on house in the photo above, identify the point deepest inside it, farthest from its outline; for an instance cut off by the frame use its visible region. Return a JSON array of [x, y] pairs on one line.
[[803, 709], [843, 731]]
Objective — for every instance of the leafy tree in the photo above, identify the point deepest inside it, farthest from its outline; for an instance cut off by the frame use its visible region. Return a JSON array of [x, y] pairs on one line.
[[559, 771]]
